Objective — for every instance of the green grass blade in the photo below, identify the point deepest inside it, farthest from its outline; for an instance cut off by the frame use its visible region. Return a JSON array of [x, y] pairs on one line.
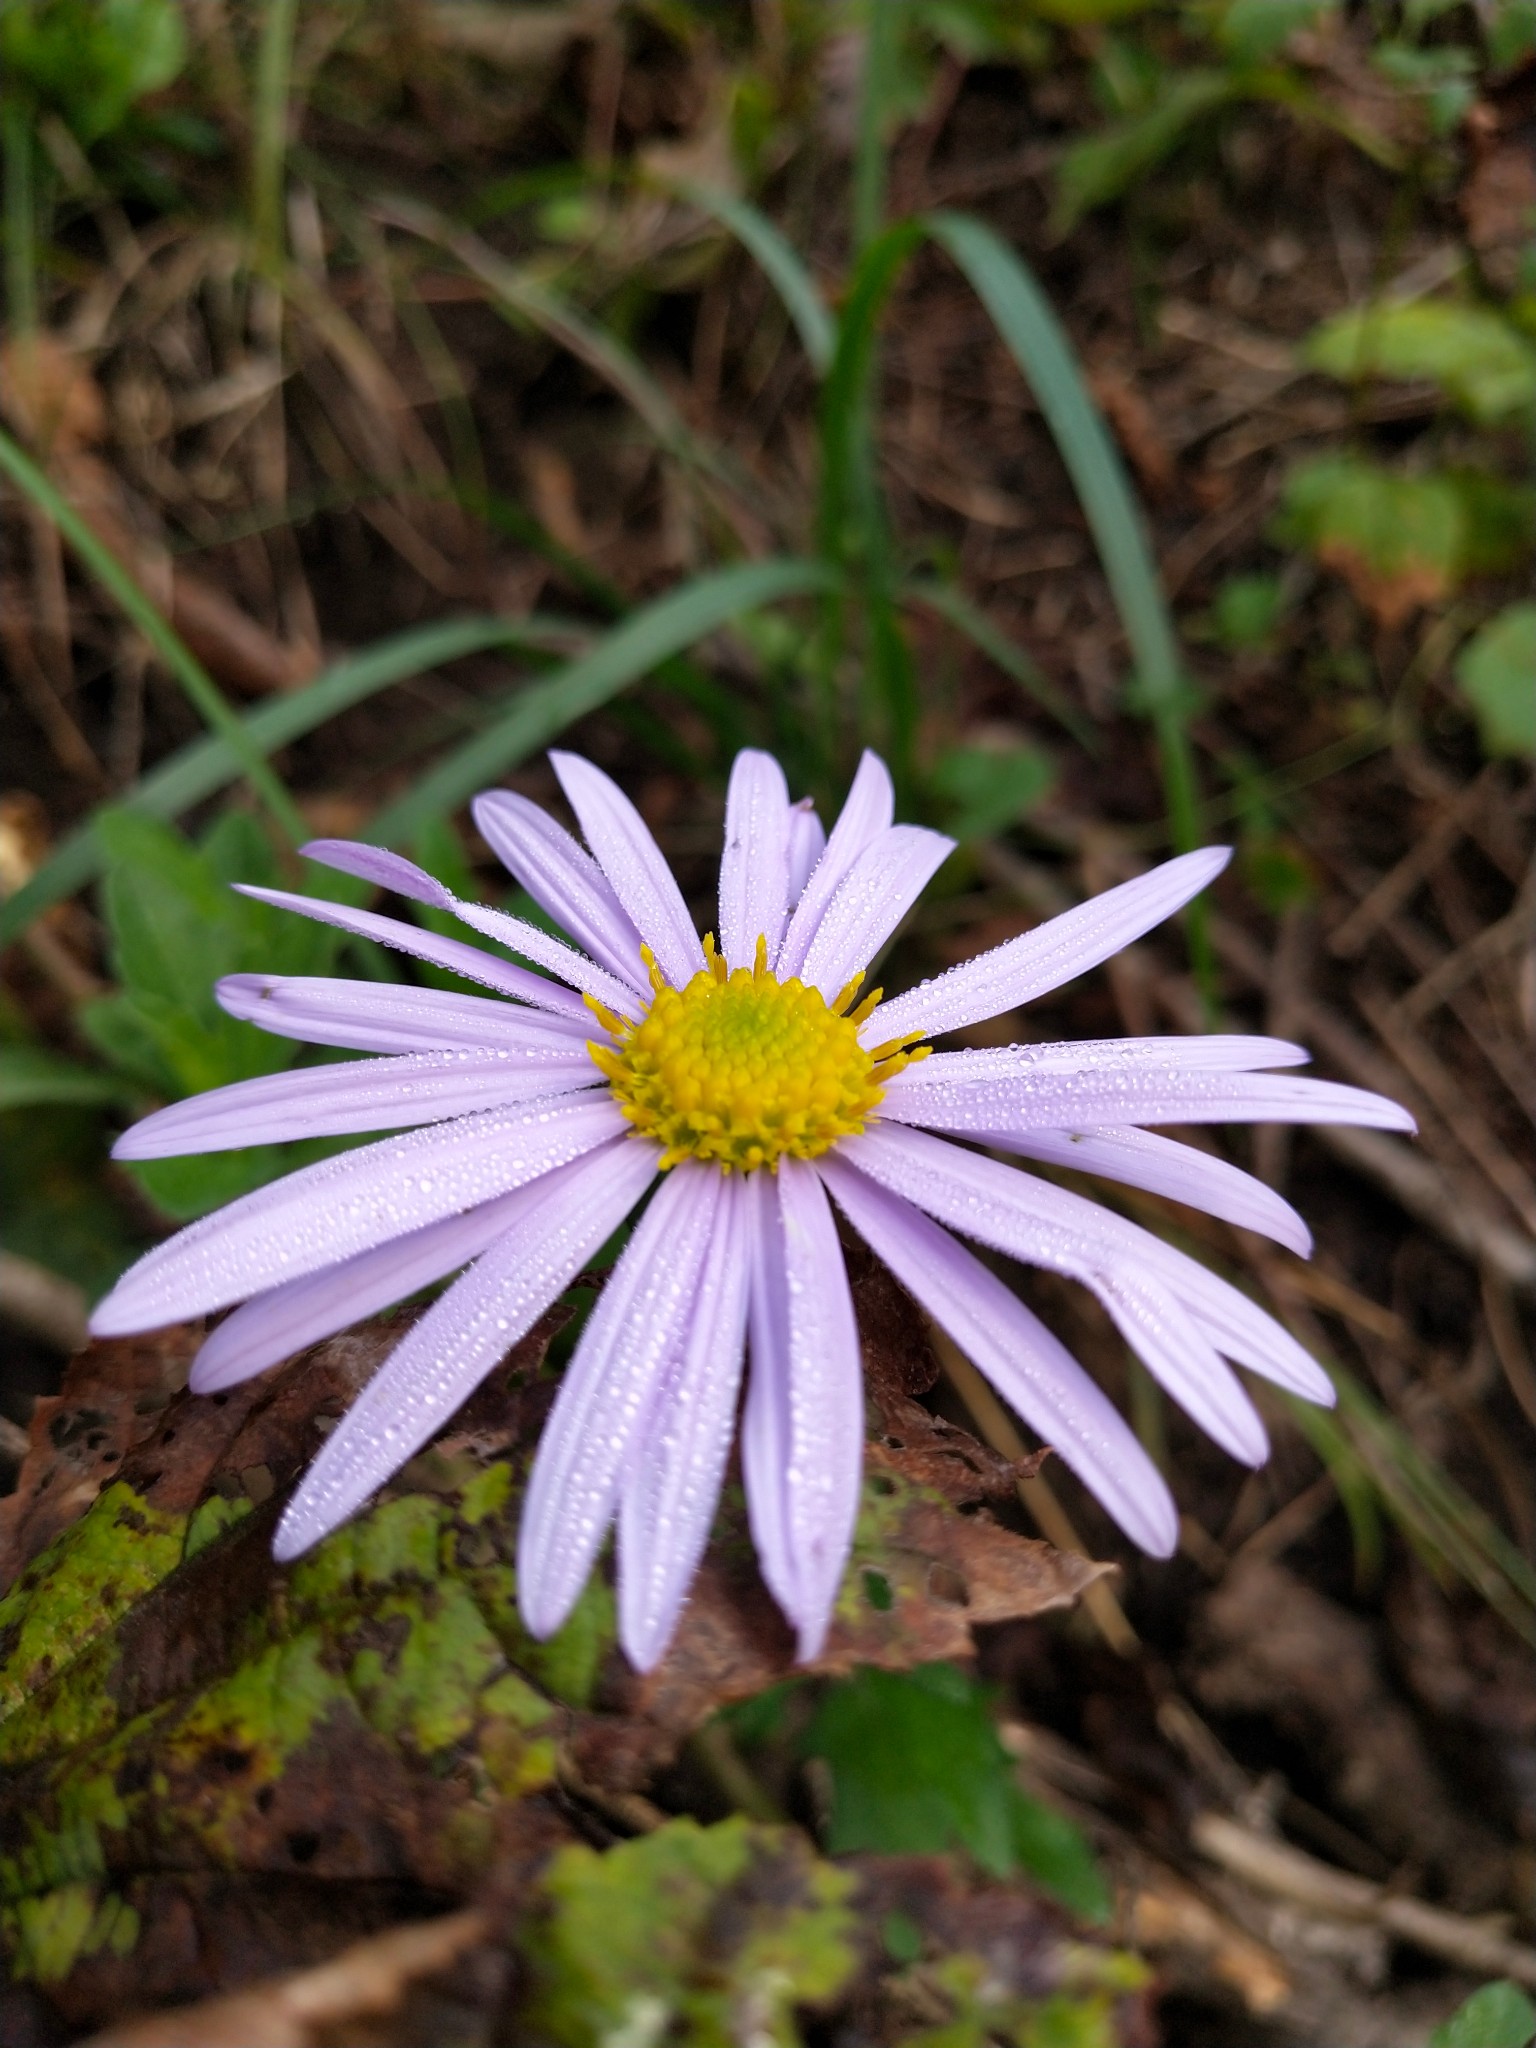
[[779, 262], [538, 712], [209, 765], [884, 23], [954, 606], [269, 132], [527, 299], [853, 536], [1430, 1509], [1035, 338], [194, 679]]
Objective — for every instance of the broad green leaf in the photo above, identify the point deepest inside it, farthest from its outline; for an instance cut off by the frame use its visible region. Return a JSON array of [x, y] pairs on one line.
[[539, 711], [1483, 364], [988, 789], [175, 927], [680, 1934], [1497, 674], [30, 1077], [1402, 541], [1498, 2016], [92, 59], [917, 1768], [209, 765], [1510, 27]]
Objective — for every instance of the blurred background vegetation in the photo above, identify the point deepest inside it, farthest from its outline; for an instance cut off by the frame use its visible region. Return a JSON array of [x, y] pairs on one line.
[[1123, 416]]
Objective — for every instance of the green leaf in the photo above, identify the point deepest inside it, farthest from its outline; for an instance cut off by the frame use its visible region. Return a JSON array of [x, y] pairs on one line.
[[988, 789], [1252, 30], [92, 59], [917, 1769], [1485, 366], [1510, 27], [211, 764], [677, 1935], [30, 1077], [1442, 74], [538, 711], [1247, 610], [1497, 674], [1105, 166], [1402, 541], [1498, 2016], [1056, 1852]]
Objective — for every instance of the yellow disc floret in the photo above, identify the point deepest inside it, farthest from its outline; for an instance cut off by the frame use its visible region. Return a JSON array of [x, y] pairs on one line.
[[742, 1068]]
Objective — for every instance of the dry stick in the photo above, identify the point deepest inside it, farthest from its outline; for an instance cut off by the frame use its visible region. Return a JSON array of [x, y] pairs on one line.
[[1428, 1073], [1442, 981], [1398, 884], [1273, 1866], [1049, 1516], [41, 1302]]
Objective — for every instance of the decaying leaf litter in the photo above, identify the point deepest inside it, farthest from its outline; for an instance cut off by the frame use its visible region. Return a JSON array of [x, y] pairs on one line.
[[1233, 1731]]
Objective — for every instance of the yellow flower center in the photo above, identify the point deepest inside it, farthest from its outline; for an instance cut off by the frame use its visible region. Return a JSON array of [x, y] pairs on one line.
[[742, 1068]]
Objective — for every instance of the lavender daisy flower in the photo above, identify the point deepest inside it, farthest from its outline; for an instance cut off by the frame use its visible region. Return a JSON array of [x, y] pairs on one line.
[[740, 1084]]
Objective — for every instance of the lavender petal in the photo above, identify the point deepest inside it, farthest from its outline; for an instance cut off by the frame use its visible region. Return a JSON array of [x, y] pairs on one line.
[[549, 1232], [868, 811], [1032, 1370], [452, 954], [394, 871], [520, 936], [802, 1439], [384, 869], [327, 1212], [378, 1016], [754, 864], [1127, 1094], [1217, 1052], [1142, 1159], [351, 1096], [1051, 954], [562, 878], [807, 843], [633, 863], [671, 1492], [639, 1325], [288, 1319], [871, 900], [1141, 1281]]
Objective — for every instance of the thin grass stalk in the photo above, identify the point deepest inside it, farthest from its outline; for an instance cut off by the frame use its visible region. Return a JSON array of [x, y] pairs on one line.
[[269, 134], [200, 688], [883, 25], [852, 534]]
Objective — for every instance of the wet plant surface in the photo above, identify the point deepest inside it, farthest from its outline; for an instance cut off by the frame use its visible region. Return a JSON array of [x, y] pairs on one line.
[[389, 396]]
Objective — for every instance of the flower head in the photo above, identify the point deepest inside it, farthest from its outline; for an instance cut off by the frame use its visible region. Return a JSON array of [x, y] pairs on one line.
[[740, 1086]]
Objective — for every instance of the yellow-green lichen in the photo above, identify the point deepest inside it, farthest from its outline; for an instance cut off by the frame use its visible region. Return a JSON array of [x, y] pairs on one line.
[[81, 1585]]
